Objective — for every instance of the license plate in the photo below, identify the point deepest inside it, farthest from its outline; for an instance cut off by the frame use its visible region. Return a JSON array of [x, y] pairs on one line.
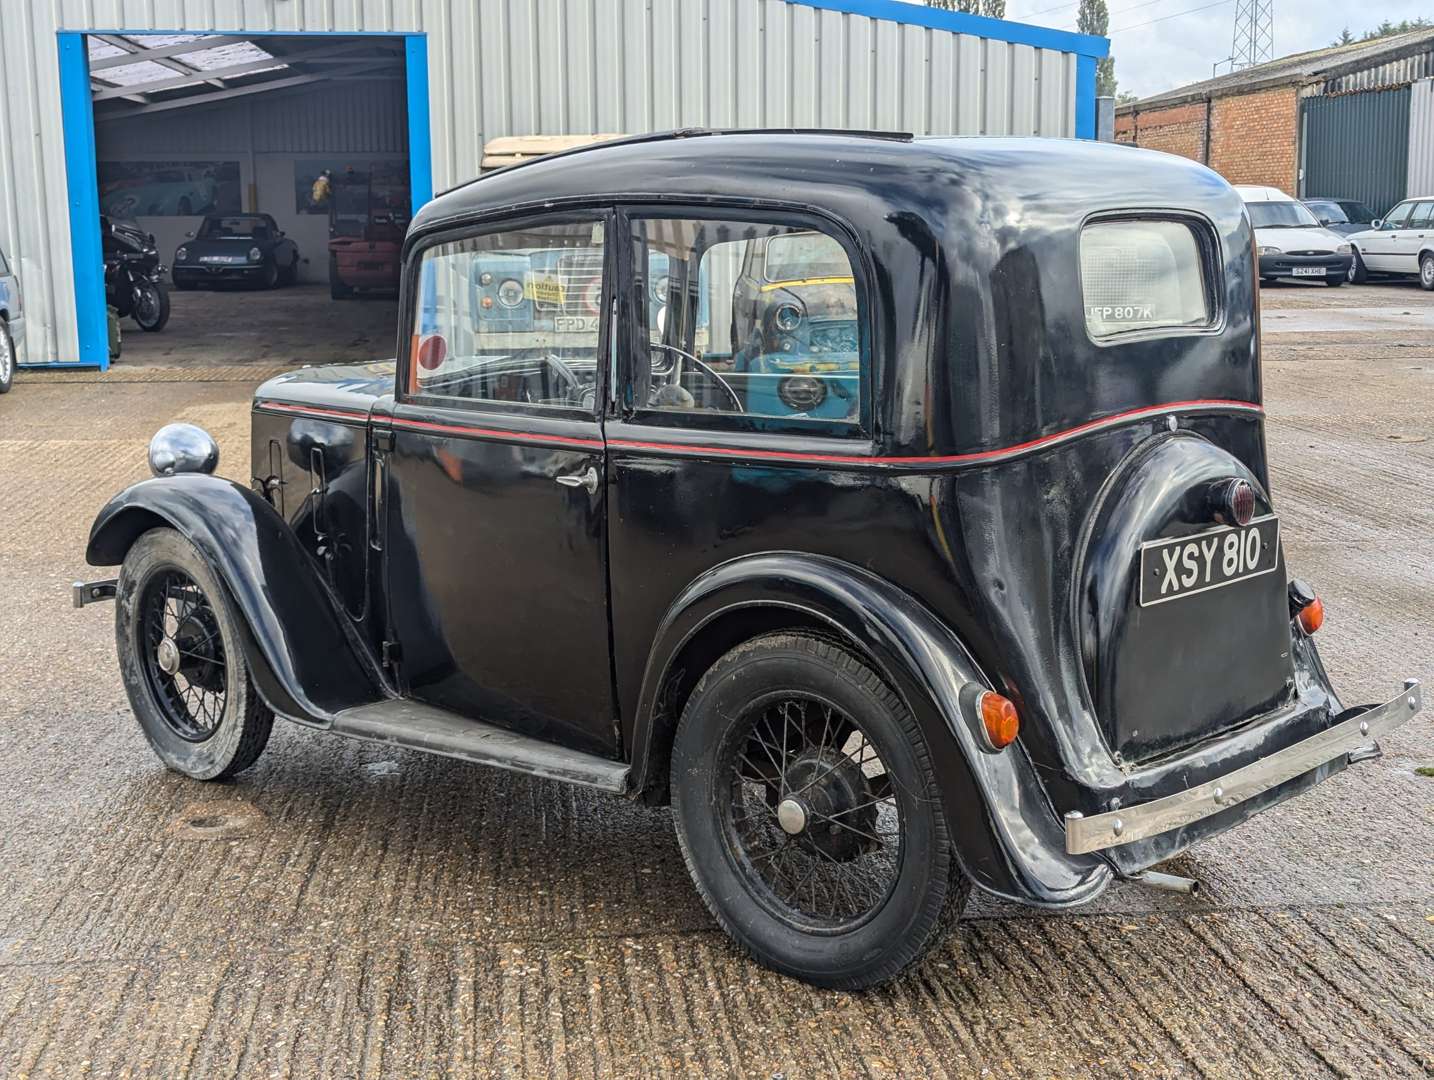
[[223, 260], [575, 324], [1309, 271], [1186, 565]]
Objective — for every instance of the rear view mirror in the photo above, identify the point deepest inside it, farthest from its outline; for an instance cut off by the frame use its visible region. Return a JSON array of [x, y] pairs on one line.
[[1377, 223], [189, 235]]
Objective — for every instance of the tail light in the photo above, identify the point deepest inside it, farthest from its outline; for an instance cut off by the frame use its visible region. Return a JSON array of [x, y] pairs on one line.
[[999, 720], [1232, 501], [1305, 607]]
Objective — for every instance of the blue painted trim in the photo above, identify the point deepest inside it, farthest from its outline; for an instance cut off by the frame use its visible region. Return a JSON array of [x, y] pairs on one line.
[[68, 364], [1039, 37], [1085, 97], [420, 132], [83, 191]]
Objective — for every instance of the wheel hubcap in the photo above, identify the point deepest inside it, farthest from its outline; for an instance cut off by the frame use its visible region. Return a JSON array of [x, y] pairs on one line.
[[791, 816], [167, 656], [4, 357]]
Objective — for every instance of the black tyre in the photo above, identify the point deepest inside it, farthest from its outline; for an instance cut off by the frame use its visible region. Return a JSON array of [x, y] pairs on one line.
[[1357, 270], [337, 289], [8, 359], [290, 273], [270, 280], [1334, 281], [182, 661], [810, 816], [151, 310], [1426, 272]]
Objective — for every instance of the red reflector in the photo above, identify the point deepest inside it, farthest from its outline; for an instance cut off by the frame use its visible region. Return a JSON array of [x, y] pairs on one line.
[[1311, 616], [432, 351], [998, 717]]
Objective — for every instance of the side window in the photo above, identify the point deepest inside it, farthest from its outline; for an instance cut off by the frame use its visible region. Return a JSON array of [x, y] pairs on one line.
[[757, 319], [1399, 217], [1143, 275], [1422, 216], [4, 266], [511, 316]]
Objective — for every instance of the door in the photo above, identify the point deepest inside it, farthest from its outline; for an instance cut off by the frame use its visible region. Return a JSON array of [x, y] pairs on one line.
[[1416, 235], [1382, 250], [495, 503]]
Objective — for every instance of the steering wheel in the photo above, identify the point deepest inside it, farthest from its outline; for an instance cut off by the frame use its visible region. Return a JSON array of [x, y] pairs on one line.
[[717, 378], [575, 385]]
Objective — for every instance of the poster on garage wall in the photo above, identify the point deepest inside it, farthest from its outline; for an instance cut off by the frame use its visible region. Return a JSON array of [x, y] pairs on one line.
[[314, 196], [130, 189]]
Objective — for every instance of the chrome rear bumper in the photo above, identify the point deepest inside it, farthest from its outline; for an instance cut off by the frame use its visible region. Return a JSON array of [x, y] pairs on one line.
[[1127, 825]]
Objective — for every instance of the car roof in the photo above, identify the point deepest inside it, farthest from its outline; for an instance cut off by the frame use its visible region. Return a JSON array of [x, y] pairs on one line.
[[1262, 193], [866, 174]]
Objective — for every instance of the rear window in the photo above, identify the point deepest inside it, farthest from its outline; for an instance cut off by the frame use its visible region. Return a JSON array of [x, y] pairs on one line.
[[1142, 275]]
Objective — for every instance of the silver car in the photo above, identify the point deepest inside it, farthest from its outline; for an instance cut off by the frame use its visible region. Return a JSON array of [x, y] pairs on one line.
[[12, 324], [1401, 243]]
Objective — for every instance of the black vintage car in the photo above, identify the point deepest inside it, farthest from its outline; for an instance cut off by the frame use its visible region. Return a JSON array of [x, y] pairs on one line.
[[1019, 620], [236, 248]]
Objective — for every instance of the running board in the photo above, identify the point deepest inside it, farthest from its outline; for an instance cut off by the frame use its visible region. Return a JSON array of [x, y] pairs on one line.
[[431, 730]]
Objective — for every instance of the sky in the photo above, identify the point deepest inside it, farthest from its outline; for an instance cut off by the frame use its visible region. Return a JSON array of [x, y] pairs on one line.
[[1178, 50]]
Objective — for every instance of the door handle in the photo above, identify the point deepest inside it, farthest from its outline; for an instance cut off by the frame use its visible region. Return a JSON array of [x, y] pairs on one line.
[[587, 480]]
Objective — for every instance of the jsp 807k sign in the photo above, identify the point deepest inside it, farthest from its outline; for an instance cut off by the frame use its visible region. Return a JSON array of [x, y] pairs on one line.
[[1186, 565]]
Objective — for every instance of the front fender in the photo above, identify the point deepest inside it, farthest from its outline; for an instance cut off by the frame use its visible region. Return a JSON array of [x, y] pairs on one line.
[[1008, 837], [305, 661]]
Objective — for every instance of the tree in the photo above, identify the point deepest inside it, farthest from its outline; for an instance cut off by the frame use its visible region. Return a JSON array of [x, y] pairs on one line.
[[992, 9], [1384, 29], [1094, 18]]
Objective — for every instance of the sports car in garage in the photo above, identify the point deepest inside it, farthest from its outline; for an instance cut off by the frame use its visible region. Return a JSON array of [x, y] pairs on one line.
[[249, 248]]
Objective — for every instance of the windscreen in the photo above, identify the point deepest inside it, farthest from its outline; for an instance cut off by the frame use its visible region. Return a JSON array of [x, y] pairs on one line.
[[1280, 215]]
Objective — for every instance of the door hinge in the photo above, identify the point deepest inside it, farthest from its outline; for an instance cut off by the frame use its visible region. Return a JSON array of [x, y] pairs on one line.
[[392, 654], [383, 441]]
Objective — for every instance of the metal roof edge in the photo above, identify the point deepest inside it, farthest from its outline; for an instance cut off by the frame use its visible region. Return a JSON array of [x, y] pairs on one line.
[[1017, 33]]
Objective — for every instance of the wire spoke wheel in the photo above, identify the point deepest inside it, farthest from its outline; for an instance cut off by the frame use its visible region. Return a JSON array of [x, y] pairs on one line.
[[182, 653], [811, 813]]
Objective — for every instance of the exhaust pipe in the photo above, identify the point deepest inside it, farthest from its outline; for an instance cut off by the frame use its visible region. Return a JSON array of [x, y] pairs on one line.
[[1170, 882]]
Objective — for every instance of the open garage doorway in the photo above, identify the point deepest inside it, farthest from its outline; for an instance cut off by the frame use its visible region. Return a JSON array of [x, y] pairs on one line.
[[271, 175]]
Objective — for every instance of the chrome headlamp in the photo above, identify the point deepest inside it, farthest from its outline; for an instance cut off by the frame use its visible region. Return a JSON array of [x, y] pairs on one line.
[[182, 448]]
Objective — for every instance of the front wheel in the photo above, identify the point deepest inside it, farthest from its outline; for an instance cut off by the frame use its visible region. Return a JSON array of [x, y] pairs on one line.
[[1334, 281], [151, 307], [182, 661], [1358, 273], [1426, 272], [810, 815], [7, 358], [270, 280]]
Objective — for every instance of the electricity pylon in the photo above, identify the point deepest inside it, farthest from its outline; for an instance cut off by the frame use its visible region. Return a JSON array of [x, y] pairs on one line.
[[1254, 38]]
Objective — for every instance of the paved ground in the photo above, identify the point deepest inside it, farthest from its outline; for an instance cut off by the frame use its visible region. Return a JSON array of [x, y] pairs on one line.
[[299, 324], [346, 910]]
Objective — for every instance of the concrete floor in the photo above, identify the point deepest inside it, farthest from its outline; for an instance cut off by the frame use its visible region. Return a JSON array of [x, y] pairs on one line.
[[299, 324], [349, 910]]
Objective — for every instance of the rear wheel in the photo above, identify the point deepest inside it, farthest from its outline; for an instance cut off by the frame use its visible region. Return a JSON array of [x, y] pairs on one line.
[[810, 816], [1357, 271], [182, 661], [1426, 271], [7, 358]]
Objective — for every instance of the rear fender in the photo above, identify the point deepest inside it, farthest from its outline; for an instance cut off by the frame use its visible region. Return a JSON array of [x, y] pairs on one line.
[[305, 659], [1008, 837]]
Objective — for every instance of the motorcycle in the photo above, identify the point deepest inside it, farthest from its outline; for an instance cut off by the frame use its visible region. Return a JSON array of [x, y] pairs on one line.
[[134, 276]]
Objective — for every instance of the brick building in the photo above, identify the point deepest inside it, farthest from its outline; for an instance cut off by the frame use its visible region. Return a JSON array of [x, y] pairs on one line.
[[1337, 118]]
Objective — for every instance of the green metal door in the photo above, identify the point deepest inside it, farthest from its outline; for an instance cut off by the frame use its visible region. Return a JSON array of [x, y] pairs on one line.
[[1356, 146]]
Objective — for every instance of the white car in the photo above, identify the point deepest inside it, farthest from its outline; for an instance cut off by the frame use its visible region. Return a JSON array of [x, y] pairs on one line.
[[1401, 243], [1292, 242]]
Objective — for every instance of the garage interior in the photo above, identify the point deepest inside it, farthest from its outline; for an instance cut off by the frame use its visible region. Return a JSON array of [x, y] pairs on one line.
[[189, 125]]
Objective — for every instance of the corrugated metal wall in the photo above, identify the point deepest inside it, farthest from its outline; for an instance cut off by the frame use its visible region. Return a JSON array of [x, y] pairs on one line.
[[511, 67], [348, 117], [1421, 138], [1356, 146], [1391, 73]]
